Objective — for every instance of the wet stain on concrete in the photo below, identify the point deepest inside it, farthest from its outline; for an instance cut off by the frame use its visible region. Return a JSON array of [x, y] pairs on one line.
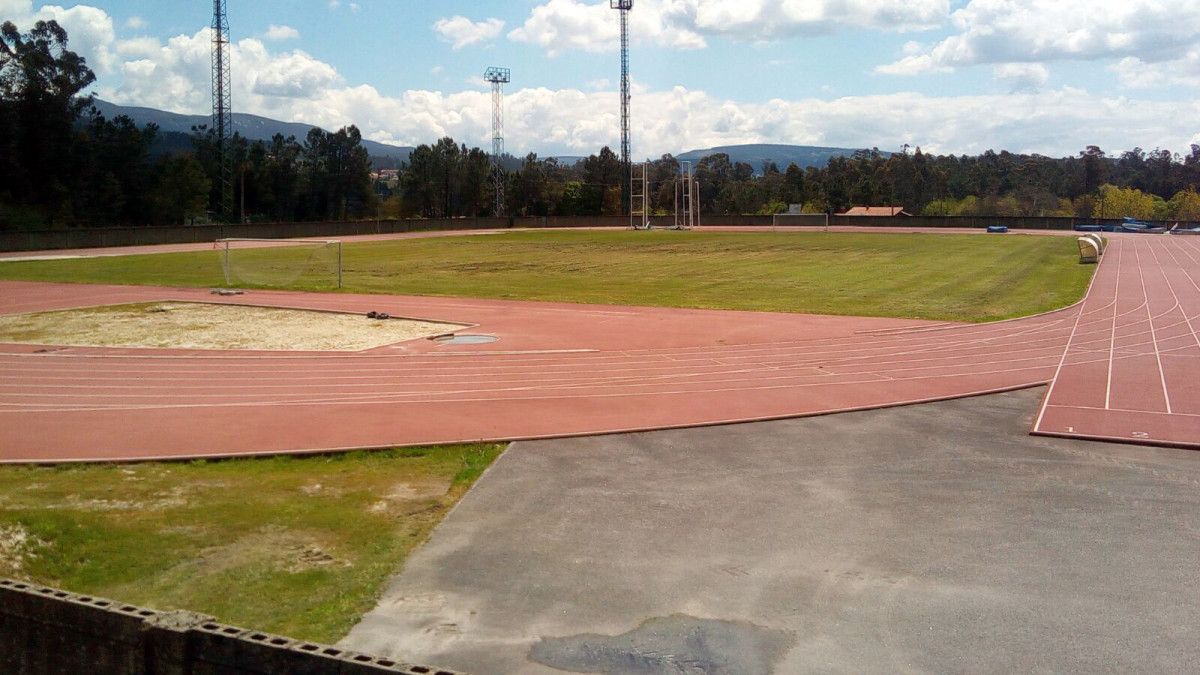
[[670, 645]]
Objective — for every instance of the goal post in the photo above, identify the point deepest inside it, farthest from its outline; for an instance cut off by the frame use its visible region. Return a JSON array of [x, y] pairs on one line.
[[280, 263], [798, 220]]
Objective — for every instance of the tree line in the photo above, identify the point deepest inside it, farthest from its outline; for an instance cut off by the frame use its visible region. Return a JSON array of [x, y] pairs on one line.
[[1156, 185], [65, 164]]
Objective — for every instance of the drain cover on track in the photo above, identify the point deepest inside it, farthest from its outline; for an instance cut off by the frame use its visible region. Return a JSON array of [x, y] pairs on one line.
[[465, 339]]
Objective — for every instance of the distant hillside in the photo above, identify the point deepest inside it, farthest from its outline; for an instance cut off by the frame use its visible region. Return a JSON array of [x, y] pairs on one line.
[[176, 128], [252, 127], [756, 155], [567, 160]]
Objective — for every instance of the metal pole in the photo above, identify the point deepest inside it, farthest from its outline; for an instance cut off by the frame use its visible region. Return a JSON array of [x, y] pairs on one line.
[[498, 145], [695, 204], [222, 108], [646, 195], [624, 7], [498, 77], [632, 226]]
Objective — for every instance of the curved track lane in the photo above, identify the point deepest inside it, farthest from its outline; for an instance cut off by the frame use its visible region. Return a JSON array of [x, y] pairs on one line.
[[562, 369], [1131, 368]]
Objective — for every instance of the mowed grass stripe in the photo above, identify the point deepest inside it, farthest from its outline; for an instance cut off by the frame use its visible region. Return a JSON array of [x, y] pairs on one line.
[[925, 276]]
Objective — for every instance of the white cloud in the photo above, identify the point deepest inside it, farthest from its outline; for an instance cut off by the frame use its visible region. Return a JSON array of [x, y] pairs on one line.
[[136, 23], [169, 78], [1032, 31], [915, 64], [175, 76], [291, 75], [461, 32], [280, 33], [770, 19], [90, 33], [143, 47], [1022, 77], [15, 9], [295, 86], [1135, 73], [562, 25]]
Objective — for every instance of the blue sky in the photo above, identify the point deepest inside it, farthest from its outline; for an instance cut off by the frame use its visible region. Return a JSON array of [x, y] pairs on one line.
[[1049, 76]]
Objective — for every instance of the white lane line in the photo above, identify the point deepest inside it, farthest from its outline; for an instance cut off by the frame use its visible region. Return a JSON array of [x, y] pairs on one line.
[[1112, 344], [1070, 339], [350, 401], [1162, 374]]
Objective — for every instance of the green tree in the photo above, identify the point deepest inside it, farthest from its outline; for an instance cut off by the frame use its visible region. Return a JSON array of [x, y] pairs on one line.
[[40, 86], [603, 177], [1094, 168], [576, 200], [182, 190], [1117, 202], [338, 174], [1185, 205], [947, 206]]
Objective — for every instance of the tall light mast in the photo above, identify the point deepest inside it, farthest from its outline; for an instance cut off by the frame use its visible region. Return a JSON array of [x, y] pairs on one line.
[[222, 109], [498, 77], [624, 7]]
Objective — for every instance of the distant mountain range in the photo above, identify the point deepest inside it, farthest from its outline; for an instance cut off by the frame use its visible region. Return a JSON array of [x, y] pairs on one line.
[[756, 155], [252, 127], [174, 129]]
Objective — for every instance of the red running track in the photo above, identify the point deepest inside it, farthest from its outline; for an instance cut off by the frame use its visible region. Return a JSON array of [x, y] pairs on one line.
[[563, 369], [150, 249], [1131, 368]]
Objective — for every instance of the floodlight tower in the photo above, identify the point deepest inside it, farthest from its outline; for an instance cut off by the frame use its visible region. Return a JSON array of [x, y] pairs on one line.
[[222, 109], [624, 6], [498, 77]]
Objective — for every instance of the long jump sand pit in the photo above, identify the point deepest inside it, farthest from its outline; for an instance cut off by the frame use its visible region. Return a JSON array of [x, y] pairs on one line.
[[195, 325]]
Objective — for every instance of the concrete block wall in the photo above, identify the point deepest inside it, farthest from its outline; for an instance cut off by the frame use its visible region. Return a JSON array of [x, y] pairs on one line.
[[46, 631], [102, 237]]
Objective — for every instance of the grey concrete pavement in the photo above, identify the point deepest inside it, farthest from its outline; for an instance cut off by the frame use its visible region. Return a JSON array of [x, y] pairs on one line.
[[931, 538]]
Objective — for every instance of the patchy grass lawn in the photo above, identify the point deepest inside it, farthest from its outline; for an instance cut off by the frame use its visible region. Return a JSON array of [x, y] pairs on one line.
[[294, 545], [925, 276]]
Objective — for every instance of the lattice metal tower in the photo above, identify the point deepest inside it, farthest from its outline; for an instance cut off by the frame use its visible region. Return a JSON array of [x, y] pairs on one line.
[[222, 110], [627, 168], [498, 77]]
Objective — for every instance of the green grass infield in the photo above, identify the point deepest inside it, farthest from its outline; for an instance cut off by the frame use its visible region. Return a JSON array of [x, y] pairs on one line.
[[951, 277]]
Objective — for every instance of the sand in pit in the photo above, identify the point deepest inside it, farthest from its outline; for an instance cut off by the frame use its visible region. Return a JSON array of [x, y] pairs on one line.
[[189, 325]]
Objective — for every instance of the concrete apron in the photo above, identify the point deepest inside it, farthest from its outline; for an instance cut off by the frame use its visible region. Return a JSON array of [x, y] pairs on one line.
[[940, 537]]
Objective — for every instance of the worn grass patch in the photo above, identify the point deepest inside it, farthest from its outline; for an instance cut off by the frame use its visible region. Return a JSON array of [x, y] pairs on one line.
[[926, 276], [298, 546]]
